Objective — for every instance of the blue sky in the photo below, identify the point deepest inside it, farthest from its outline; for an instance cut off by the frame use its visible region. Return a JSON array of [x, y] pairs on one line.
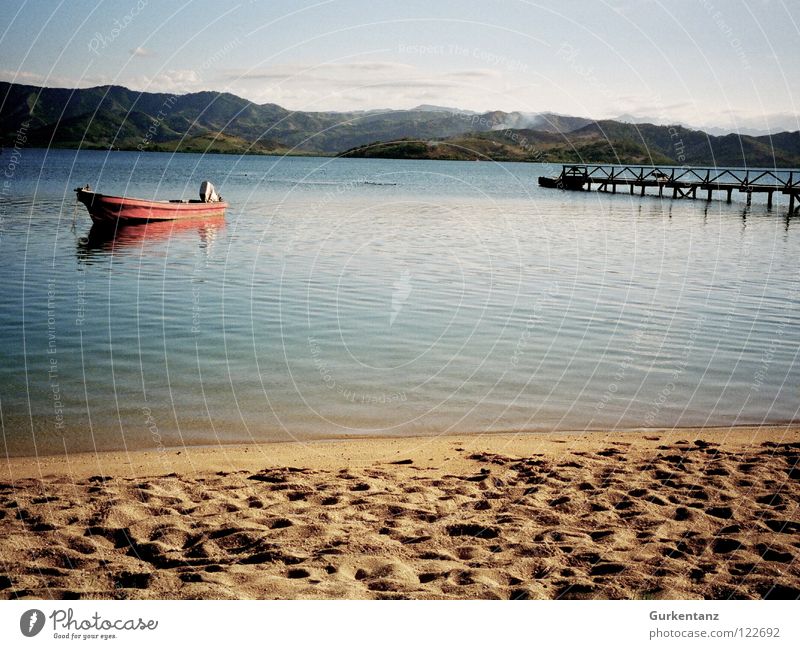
[[702, 62]]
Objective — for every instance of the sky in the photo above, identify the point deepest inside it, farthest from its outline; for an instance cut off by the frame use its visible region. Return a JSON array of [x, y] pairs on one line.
[[723, 63]]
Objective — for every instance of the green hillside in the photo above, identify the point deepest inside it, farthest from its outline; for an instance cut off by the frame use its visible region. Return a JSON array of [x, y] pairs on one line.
[[609, 142]]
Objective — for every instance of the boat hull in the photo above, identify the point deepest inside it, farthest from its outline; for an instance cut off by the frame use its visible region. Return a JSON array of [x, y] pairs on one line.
[[551, 183], [111, 210], [562, 182]]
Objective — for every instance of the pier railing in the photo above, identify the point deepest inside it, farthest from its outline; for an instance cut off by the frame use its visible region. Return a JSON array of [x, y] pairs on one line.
[[684, 181], [777, 179]]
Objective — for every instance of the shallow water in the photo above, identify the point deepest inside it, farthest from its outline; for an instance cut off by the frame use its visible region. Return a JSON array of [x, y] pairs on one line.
[[352, 297]]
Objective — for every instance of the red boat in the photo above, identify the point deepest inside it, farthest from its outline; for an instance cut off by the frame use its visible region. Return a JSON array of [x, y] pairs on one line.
[[120, 210]]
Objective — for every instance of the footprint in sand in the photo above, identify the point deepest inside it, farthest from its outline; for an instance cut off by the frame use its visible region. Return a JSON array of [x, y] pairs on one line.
[[726, 546], [772, 500], [606, 568], [132, 580], [473, 530], [774, 553], [598, 535], [783, 527], [720, 512]]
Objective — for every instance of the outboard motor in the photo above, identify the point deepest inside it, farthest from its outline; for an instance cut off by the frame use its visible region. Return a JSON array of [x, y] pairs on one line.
[[207, 193]]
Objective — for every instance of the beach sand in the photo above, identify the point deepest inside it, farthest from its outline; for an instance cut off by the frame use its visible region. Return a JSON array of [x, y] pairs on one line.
[[691, 513]]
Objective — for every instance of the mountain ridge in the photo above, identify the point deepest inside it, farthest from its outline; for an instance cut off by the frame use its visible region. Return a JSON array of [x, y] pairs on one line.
[[116, 117]]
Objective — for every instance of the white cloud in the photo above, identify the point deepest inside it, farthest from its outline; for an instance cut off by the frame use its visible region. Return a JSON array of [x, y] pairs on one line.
[[176, 81], [141, 52], [51, 81], [360, 85]]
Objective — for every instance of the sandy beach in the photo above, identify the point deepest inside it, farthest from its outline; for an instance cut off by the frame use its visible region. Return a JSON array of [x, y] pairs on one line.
[[691, 513]]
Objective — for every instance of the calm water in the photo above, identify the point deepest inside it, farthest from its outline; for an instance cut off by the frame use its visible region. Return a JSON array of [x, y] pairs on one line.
[[348, 297]]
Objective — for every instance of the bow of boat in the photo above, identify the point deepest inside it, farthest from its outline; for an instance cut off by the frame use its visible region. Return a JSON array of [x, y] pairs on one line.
[[105, 209]]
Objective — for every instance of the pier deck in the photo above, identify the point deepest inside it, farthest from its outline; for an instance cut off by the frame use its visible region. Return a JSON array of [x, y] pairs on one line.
[[682, 182]]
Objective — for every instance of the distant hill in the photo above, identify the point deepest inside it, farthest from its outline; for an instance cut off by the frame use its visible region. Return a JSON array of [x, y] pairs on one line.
[[782, 122], [604, 141], [220, 143], [682, 145], [539, 147], [113, 116]]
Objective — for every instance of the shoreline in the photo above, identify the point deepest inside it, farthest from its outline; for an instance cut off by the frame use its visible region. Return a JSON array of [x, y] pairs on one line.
[[366, 448], [667, 514]]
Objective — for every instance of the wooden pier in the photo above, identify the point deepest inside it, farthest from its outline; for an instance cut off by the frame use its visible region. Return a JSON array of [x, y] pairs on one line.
[[681, 182]]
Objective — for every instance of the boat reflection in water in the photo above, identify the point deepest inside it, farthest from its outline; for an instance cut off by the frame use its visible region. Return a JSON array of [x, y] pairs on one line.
[[102, 241]]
